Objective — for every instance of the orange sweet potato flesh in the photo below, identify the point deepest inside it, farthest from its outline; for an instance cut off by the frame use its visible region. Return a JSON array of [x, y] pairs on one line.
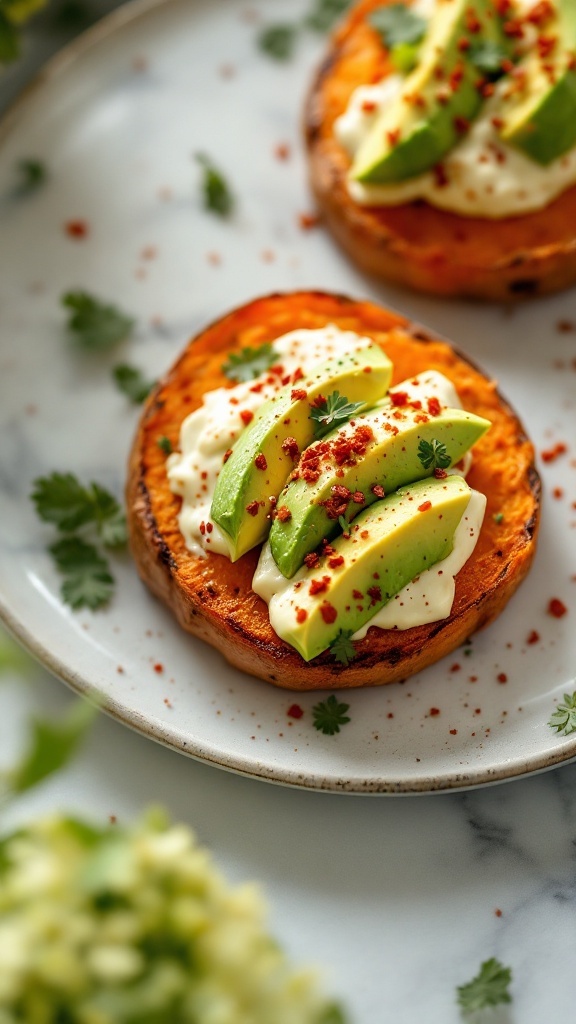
[[212, 598], [417, 244]]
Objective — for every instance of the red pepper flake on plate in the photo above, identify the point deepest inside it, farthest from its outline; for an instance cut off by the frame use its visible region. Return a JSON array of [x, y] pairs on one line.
[[557, 608], [77, 229]]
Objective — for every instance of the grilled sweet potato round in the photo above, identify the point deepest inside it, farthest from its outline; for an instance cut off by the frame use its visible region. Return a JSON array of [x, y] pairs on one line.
[[212, 598], [417, 244]]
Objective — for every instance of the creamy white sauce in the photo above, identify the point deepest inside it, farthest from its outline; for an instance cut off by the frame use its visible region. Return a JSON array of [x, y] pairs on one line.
[[484, 176], [428, 598], [208, 432]]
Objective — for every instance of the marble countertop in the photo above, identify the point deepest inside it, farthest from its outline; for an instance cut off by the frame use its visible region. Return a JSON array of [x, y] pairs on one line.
[[397, 901]]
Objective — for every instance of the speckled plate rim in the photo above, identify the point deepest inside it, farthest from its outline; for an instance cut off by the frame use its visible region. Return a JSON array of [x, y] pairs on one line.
[[516, 768]]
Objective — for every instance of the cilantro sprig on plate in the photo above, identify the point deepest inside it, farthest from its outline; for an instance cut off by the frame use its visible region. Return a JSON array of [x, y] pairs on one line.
[[217, 195], [71, 507], [329, 715], [334, 410], [132, 382], [488, 988], [249, 362], [94, 324], [563, 719]]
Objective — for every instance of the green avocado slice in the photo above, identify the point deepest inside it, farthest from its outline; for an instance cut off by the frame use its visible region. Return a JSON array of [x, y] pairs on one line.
[[259, 465], [346, 471], [540, 118], [438, 98], [389, 545]]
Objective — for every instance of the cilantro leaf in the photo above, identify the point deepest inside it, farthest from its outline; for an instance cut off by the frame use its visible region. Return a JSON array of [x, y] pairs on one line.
[[344, 525], [278, 41], [249, 362], [488, 56], [397, 24], [87, 580], [563, 720], [217, 195], [329, 715], [61, 499], [165, 445], [488, 988], [342, 648], [52, 745], [325, 13], [334, 409], [132, 382], [9, 40], [433, 454], [32, 174], [93, 324]]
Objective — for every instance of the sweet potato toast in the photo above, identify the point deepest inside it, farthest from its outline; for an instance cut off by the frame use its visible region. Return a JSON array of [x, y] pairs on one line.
[[212, 598], [417, 244]]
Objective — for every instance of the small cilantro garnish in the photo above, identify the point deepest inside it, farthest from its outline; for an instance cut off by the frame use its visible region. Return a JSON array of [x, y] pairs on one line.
[[51, 747], [278, 41], [249, 362], [325, 13], [397, 25], [94, 324], [342, 648], [217, 195], [344, 525], [335, 409], [165, 445], [87, 580], [132, 382], [433, 454], [498, 517], [62, 500], [487, 56], [488, 988], [563, 719], [32, 174], [329, 715]]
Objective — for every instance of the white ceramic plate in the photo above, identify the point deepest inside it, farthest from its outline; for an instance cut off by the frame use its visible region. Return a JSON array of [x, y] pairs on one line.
[[117, 119]]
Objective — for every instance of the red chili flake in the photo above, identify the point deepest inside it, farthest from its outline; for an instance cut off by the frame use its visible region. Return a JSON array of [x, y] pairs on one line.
[[546, 44], [260, 461], [202, 527], [440, 473], [298, 394], [557, 493], [398, 398], [557, 608], [453, 732], [328, 612], [227, 455], [298, 374], [434, 711], [393, 137], [267, 256], [159, 667], [497, 123], [378, 490], [456, 77], [502, 7], [290, 448], [318, 401], [553, 453], [283, 514], [246, 416], [461, 125], [209, 527], [540, 13], [367, 369], [433, 406], [341, 492], [368, 106], [364, 535], [77, 228], [307, 221], [319, 586], [502, 677], [464, 44], [282, 151], [335, 562], [455, 668], [424, 506], [375, 594], [327, 548], [441, 178], [565, 326], [358, 498], [301, 615], [252, 508], [514, 28], [357, 595], [498, 912], [312, 560], [422, 417], [533, 637], [295, 711]]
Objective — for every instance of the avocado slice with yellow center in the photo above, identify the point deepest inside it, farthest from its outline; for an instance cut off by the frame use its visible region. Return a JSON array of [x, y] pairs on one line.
[[351, 468], [438, 99], [388, 546], [263, 456], [539, 114]]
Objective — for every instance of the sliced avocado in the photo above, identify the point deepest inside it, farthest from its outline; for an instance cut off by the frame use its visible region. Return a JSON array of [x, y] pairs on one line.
[[343, 481], [540, 118], [389, 545], [438, 99], [259, 464]]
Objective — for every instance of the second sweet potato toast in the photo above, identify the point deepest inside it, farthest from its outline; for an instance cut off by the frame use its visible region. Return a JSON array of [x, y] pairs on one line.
[[213, 597]]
